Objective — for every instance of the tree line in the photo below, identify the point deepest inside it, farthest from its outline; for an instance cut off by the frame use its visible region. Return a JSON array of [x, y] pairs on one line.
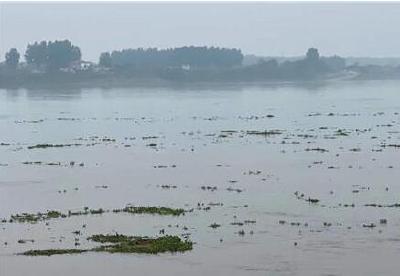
[[198, 57], [181, 63], [54, 55], [47, 55]]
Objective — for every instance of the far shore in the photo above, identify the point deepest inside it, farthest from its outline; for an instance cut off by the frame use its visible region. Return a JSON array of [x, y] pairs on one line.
[[121, 82]]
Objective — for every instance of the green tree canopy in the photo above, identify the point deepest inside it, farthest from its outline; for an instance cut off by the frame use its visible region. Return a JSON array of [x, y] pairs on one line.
[[12, 58], [37, 53], [52, 55], [198, 57], [105, 60], [312, 54]]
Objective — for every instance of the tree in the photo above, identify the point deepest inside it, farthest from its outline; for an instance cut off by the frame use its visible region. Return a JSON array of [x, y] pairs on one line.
[[312, 54], [52, 55], [12, 58], [61, 54], [36, 54], [105, 60]]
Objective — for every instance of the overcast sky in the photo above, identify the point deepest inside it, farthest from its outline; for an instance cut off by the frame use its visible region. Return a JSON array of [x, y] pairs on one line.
[[269, 29]]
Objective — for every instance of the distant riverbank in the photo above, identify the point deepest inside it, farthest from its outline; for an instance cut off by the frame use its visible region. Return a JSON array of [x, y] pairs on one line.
[[112, 81]]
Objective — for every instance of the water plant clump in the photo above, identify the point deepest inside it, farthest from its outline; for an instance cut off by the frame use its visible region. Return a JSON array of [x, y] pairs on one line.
[[129, 244], [50, 252], [116, 238], [264, 132], [215, 225], [164, 211], [33, 218], [123, 244], [87, 211], [52, 214], [44, 146]]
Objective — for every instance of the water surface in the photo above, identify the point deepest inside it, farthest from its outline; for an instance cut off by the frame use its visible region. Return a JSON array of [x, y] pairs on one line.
[[132, 141]]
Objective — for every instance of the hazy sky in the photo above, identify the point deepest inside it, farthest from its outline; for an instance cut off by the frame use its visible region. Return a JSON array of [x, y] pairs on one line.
[[347, 29]]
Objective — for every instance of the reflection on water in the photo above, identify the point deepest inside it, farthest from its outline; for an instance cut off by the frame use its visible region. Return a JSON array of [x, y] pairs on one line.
[[248, 158]]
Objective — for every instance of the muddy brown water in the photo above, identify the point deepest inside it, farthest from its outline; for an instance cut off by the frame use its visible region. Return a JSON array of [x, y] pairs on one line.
[[130, 142]]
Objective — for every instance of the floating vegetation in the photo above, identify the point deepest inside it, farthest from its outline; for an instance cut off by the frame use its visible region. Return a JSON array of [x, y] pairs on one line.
[[390, 146], [209, 188], [369, 225], [301, 196], [168, 186], [26, 240], [347, 205], [250, 172], [149, 137], [163, 166], [123, 244], [33, 218], [215, 204], [313, 200], [50, 252], [230, 189], [44, 146], [215, 225], [163, 211], [58, 163], [29, 121], [32, 163], [394, 205], [255, 117], [229, 131], [316, 149], [128, 244], [101, 187], [341, 132], [87, 211], [264, 132]]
